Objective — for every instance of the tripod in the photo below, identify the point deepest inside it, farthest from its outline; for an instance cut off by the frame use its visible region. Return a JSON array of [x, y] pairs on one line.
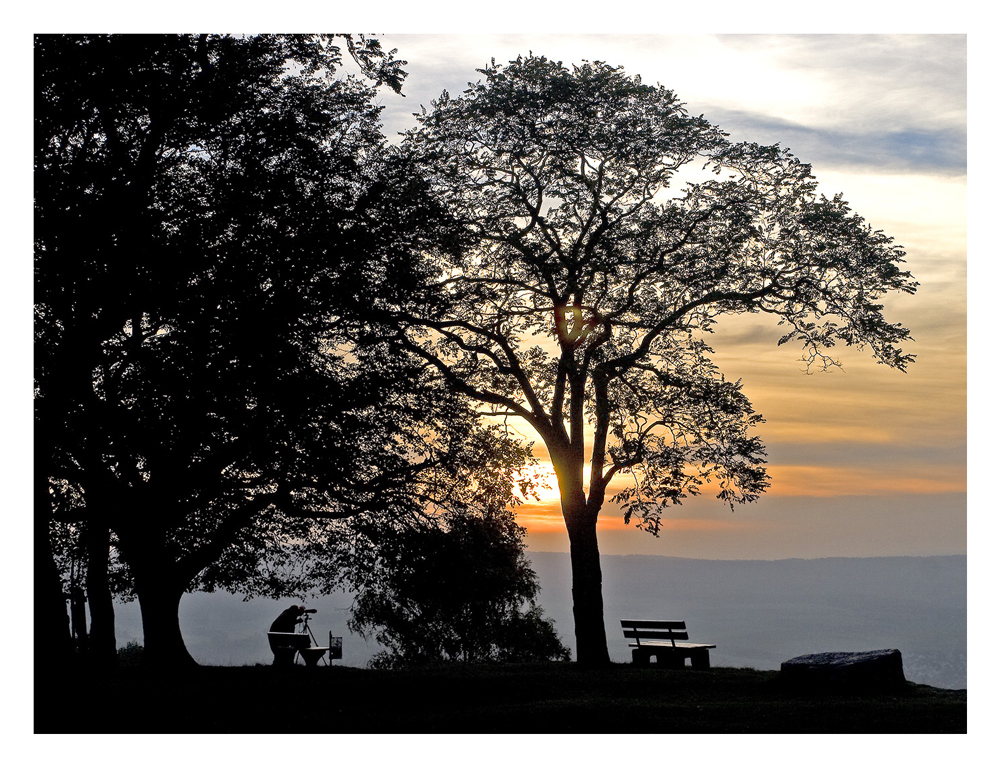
[[315, 644]]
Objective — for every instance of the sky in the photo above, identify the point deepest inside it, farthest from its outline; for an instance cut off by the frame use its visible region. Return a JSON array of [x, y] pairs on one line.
[[865, 460]]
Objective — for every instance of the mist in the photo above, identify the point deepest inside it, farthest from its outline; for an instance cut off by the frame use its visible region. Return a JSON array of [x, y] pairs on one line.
[[758, 613]]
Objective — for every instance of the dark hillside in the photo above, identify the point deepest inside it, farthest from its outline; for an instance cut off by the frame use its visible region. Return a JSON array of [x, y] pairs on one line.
[[545, 698]]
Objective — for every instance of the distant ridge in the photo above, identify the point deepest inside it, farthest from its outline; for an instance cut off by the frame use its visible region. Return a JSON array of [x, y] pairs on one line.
[[780, 559]]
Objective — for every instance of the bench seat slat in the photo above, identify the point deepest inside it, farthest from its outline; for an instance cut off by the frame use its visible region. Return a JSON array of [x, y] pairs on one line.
[[684, 645], [656, 635]]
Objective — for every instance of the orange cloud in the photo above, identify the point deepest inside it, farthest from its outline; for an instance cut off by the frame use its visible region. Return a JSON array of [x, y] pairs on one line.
[[787, 481], [828, 481], [540, 518], [547, 518], [701, 525]]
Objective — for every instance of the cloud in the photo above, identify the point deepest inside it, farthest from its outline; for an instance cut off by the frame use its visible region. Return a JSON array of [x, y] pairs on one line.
[[910, 149], [897, 100], [908, 458], [781, 526], [835, 481], [889, 82]]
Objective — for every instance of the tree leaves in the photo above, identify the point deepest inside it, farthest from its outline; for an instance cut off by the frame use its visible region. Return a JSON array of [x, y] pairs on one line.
[[563, 179], [216, 217]]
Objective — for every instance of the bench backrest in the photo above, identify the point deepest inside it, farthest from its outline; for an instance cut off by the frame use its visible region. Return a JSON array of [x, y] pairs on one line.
[[658, 630]]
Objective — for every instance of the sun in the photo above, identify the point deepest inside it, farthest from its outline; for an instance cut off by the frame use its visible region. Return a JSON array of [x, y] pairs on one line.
[[548, 485]]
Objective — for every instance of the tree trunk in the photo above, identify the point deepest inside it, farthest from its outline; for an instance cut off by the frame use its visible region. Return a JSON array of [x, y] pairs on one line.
[[103, 648], [159, 587], [159, 584], [78, 618], [584, 555], [53, 637], [163, 645], [588, 598]]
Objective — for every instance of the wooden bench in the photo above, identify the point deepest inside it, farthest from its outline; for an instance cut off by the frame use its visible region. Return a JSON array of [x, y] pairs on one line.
[[659, 639]]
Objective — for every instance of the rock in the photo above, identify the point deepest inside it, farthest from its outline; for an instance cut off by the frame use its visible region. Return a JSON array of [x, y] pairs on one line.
[[874, 669]]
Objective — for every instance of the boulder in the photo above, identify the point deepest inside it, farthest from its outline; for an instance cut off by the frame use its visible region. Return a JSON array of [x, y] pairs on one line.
[[870, 670]]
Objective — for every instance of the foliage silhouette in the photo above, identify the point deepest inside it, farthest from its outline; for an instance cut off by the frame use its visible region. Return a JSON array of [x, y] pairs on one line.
[[215, 217], [454, 589], [588, 283], [130, 654]]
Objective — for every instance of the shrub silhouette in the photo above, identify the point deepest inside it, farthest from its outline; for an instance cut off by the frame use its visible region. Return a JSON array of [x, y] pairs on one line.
[[461, 590], [130, 655]]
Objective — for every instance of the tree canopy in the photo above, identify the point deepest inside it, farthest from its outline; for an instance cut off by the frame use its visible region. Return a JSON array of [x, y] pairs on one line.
[[215, 217], [607, 231]]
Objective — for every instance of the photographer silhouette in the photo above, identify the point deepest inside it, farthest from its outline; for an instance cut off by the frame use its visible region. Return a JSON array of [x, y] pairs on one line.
[[285, 642], [289, 619], [282, 638]]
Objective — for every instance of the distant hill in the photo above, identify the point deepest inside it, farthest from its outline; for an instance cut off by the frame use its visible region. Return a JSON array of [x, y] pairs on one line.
[[759, 613]]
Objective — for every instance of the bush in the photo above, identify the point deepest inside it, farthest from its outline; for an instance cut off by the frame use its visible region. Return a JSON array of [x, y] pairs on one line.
[[130, 654], [458, 591]]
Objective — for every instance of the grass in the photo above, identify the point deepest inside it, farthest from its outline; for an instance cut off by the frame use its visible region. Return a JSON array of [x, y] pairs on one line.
[[537, 698]]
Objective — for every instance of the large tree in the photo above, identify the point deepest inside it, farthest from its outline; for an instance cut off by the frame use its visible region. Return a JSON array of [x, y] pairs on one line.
[[214, 217], [589, 280]]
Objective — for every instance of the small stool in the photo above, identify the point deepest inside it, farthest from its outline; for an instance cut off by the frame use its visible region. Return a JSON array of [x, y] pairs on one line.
[[311, 655], [285, 645]]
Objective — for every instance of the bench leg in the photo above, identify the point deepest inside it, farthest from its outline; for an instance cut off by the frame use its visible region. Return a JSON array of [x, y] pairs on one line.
[[699, 659], [667, 658], [284, 656]]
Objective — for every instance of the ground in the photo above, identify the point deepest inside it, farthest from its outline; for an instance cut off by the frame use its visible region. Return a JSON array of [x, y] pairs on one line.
[[537, 698]]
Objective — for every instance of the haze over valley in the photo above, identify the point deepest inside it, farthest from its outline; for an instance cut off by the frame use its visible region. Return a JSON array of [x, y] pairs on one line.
[[759, 613]]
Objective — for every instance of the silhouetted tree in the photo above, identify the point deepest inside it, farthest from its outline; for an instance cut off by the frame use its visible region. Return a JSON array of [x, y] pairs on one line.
[[455, 588], [565, 180], [215, 218]]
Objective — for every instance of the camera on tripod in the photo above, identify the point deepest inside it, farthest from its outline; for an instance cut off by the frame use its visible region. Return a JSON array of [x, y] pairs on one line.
[[287, 644]]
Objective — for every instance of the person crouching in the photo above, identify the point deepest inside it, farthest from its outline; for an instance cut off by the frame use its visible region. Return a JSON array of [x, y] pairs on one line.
[[282, 647]]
